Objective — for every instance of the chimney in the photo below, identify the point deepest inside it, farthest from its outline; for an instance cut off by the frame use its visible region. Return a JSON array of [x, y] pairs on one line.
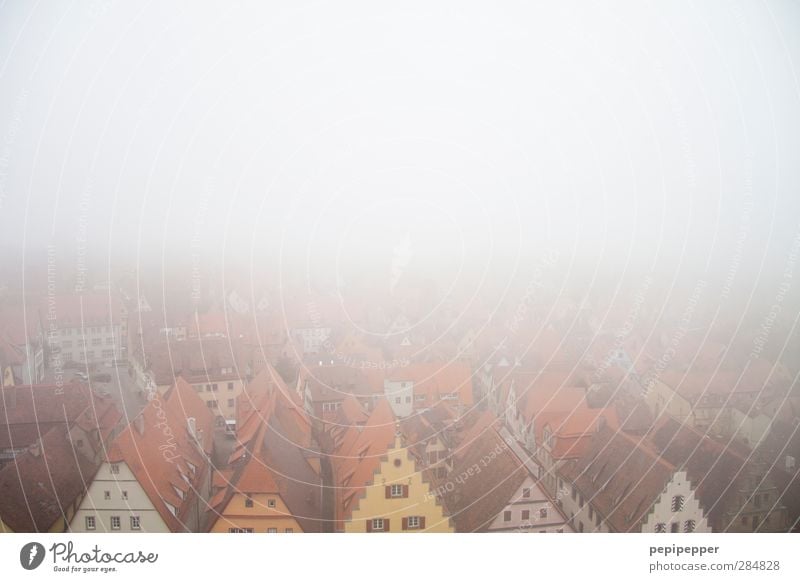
[[35, 448], [138, 424], [191, 424]]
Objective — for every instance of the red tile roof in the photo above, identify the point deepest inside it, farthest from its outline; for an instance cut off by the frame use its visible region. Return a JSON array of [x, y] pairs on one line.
[[359, 454], [157, 447], [37, 489], [436, 380], [274, 453], [28, 411], [200, 360], [485, 488]]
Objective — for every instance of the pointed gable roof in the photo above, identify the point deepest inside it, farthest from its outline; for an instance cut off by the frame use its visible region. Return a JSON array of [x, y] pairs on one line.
[[477, 500], [359, 455], [158, 447]]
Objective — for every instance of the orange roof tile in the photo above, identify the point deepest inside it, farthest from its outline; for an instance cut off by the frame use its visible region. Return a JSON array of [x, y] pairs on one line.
[[157, 447]]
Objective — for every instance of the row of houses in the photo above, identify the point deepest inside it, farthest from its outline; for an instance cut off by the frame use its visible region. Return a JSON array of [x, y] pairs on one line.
[[619, 453], [368, 470]]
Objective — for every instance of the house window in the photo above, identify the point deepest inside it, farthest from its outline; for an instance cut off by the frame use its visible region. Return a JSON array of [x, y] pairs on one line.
[[526, 492], [289, 530], [413, 522], [661, 527], [591, 513], [688, 526], [230, 402], [106, 495], [673, 527], [677, 503], [114, 468], [543, 513], [548, 439], [398, 400], [272, 530], [506, 516], [230, 386], [208, 387], [396, 491], [115, 522], [136, 522], [90, 522], [419, 397], [240, 530], [526, 514], [248, 502], [125, 495], [270, 503], [214, 387], [377, 524]]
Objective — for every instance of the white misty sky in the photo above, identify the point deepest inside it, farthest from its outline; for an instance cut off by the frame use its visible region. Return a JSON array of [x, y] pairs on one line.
[[465, 131]]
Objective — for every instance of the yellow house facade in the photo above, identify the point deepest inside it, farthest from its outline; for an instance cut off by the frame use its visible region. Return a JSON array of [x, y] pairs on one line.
[[255, 513], [398, 500]]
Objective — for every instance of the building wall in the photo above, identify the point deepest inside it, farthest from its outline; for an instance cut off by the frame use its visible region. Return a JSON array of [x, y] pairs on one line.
[[222, 401], [662, 510], [750, 430], [661, 397], [311, 339], [580, 512], [754, 507], [260, 517], [138, 503], [400, 396], [551, 521], [398, 468], [98, 343]]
